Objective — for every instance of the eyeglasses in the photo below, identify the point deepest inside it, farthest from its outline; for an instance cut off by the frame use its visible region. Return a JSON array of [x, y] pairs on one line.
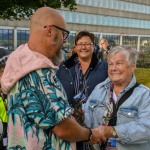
[[87, 45], [65, 32]]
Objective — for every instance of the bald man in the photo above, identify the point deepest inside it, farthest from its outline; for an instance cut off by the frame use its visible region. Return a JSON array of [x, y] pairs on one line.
[[39, 114]]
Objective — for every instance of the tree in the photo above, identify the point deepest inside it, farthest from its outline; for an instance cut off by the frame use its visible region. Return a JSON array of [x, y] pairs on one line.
[[20, 9]]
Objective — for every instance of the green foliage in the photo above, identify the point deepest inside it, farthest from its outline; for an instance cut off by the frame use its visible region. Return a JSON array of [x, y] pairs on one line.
[[20, 9], [143, 76]]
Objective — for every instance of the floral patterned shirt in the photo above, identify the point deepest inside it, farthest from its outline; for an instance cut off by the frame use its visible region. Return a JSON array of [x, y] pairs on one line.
[[36, 103]]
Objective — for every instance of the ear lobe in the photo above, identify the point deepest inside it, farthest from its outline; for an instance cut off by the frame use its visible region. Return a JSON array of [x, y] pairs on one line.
[[133, 67], [49, 32]]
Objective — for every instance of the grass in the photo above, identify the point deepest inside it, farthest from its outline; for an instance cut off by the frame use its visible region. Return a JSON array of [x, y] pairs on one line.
[[143, 76]]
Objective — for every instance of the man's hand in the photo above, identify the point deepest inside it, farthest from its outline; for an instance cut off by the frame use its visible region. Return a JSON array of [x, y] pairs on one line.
[[97, 137], [105, 131], [101, 134]]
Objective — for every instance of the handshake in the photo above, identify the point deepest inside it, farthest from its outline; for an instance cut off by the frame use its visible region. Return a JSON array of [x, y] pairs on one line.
[[101, 134]]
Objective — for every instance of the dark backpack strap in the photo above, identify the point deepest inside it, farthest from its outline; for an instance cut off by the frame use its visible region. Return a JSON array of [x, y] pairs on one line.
[[126, 96]]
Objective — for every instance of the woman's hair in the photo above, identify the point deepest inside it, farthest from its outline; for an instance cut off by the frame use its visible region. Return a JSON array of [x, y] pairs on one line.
[[103, 40], [82, 34], [130, 53]]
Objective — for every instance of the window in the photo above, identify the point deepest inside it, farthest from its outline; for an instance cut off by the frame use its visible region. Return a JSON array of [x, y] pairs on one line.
[[86, 18], [22, 36], [119, 22], [74, 17], [96, 40], [130, 40], [7, 39], [98, 20], [113, 40], [103, 20], [67, 16], [94, 3], [80, 18], [117, 4], [94, 19]]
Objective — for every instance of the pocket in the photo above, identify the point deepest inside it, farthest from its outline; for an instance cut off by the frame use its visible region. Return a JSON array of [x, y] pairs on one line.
[[126, 115], [96, 110]]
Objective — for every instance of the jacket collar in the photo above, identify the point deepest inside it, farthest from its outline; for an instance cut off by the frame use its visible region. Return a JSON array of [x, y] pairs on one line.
[[73, 60], [107, 82]]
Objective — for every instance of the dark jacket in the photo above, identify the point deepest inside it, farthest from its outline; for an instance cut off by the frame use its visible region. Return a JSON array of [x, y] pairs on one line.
[[66, 75], [103, 53]]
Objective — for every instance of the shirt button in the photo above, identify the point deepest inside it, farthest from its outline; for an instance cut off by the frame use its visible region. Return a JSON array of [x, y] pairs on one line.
[[129, 114]]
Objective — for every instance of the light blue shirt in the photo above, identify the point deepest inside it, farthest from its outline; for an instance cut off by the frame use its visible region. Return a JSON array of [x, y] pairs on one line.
[[133, 116]]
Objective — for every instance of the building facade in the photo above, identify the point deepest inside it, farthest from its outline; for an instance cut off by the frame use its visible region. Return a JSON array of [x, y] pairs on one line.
[[120, 21]]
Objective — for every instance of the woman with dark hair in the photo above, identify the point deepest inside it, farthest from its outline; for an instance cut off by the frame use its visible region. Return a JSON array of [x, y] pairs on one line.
[[81, 73]]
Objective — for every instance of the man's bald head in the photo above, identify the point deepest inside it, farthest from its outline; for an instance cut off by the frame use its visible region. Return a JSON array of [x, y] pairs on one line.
[[47, 32], [46, 16]]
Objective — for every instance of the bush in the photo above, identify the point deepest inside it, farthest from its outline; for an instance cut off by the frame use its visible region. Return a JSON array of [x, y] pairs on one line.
[[143, 76]]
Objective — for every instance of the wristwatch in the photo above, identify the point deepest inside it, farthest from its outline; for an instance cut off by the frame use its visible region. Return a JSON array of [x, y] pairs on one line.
[[114, 133]]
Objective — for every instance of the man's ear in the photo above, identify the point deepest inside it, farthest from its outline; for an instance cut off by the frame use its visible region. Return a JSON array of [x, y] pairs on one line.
[[49, 30]]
